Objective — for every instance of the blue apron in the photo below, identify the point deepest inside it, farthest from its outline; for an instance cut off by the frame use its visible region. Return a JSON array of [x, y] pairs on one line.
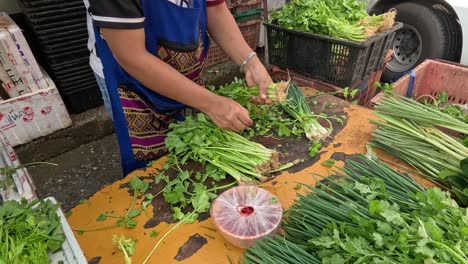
[[176, 35]]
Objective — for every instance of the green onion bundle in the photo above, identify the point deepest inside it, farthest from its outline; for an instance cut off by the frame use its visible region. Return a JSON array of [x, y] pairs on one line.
[[296, 106], [402, 107], [369, 213], [201, 140], [407, 130]]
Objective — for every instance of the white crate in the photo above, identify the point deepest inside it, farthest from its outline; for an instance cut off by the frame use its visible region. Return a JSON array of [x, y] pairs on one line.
[[33, 115], [71, 252]]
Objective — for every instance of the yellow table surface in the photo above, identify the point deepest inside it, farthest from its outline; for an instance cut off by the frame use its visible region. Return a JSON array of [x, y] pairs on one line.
[[350, 140]]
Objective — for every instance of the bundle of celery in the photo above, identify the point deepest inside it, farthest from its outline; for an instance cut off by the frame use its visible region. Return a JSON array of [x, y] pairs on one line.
[[201, 140], [296, 105], [368, 213], [407, 130]]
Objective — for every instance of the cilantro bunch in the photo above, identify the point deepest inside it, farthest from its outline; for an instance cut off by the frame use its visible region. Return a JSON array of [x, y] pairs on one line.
[[369, 213], [28, 231], [334, 18], [199, 139]]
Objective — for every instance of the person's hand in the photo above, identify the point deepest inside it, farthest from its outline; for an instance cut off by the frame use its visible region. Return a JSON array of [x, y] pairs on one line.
[[257, 75], [228, 114]]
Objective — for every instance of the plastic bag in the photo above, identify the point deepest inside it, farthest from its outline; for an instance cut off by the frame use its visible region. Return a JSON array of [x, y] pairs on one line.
[[245, 214]]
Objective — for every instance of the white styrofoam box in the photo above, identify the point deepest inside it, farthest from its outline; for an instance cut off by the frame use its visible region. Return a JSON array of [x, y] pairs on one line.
[[24, 50], [71, 252], [11, 71], [7, 84], [15, 58], [34, 115], [23, 184]]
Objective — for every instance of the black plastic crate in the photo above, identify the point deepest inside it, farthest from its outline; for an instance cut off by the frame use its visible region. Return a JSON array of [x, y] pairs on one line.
[[82, 100], [42, 3], [339, 62]]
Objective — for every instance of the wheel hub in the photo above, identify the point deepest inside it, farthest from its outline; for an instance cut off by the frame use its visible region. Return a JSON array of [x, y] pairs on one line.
[[407, 47]]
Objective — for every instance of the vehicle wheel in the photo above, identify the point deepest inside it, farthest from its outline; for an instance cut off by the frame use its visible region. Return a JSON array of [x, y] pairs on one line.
[[425, 35]]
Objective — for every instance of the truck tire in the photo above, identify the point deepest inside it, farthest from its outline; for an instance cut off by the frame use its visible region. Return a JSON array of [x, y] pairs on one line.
[[426, 34]]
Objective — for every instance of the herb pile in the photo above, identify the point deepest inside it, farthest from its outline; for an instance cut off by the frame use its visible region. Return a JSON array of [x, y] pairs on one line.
[[189, 189], [410, 131], [368, 213], [443, 105], [343, 19], [29, 231], [266, 118], [201, 140]]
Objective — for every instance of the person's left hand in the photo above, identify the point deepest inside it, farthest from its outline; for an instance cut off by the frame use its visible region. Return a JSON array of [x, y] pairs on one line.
[[257, 75]]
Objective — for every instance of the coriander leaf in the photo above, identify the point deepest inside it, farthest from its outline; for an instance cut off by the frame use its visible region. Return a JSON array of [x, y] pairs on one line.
[[131, 223], [329, 163], [284, 131], [83, 201], [101, 217], [297, 186], [138, 185], [201, 202], [274, 200], [178, 215], [153, 234], [133, 213]]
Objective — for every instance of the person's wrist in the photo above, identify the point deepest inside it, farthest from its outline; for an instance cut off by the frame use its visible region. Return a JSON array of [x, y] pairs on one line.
[[252, 64], [207, 102]]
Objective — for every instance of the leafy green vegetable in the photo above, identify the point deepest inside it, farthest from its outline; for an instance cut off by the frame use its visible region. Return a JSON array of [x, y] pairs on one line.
[[201, 140], [335, 18], [183, 191], [314, 149], [153, 234], [343, 19], [368, 213], [442, 104], [265, 117], [138, 185], [28, 231], [126, 245], [329, 163]]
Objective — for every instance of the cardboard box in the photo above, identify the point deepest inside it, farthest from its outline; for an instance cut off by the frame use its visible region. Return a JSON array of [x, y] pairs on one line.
[[33, 115]]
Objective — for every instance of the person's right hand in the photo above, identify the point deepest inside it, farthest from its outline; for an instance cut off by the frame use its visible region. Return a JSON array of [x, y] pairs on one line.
[[228, 114]]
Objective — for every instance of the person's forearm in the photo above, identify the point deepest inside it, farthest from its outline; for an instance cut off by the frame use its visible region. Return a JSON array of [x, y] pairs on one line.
[[224, 30]]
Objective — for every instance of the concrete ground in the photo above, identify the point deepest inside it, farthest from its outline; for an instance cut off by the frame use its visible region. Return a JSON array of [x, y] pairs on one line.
[[80, 173]]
